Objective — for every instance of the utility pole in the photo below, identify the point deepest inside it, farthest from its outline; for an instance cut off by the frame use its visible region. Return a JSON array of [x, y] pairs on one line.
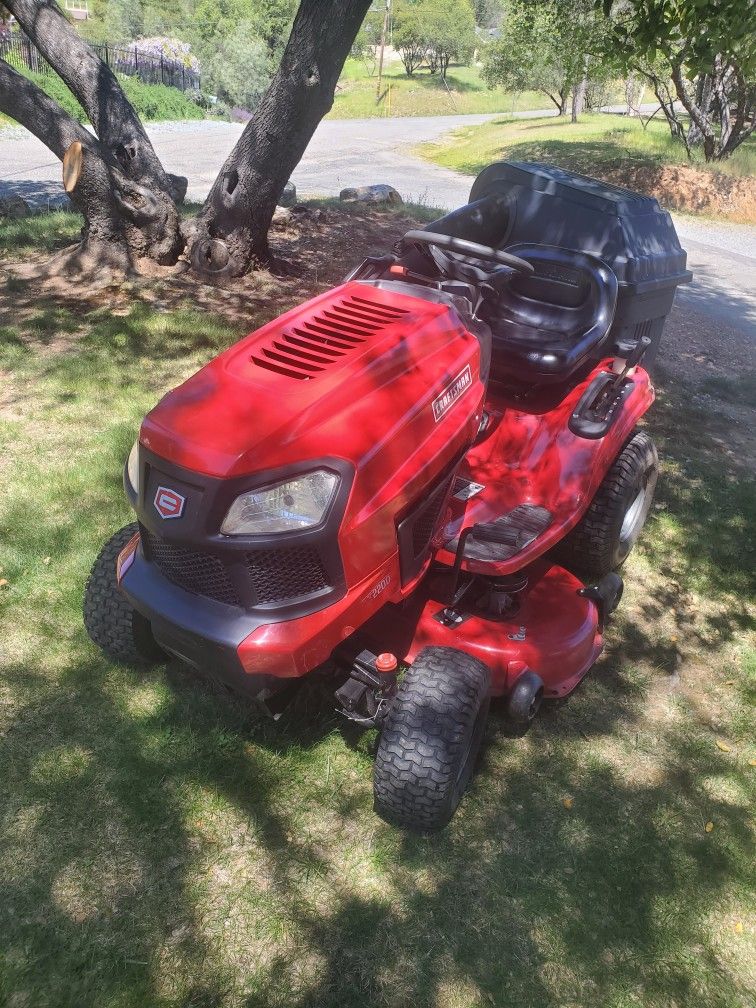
[[384, 30]]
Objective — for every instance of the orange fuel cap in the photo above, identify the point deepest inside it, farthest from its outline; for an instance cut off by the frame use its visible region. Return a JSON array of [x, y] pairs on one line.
[[386, 662]]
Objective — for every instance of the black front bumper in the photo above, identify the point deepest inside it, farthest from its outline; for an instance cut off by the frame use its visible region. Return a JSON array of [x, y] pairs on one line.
[[201, 632]]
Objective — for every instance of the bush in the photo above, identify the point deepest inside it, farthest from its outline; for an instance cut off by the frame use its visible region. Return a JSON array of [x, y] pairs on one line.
[[172, 49], [53, 86], [150, 101], [239, 71], [200, 99], [158, 101]]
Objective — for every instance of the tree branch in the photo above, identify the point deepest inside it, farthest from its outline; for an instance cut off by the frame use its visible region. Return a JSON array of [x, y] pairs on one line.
[[94, 84], [696, 115]]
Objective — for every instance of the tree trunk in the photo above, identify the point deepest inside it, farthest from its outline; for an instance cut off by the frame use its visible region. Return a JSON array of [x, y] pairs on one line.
[[104, 235], [118, 128], [578, 97], [700, 119], [560, 101], [231, 230], [667, 104], [630, 95]]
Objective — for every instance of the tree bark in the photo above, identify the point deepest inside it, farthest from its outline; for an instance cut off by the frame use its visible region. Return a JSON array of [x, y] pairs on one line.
[[578, 97], [231, 231], [560, 101], [114, 207], [93, 196], [666, 103], [122, 137]]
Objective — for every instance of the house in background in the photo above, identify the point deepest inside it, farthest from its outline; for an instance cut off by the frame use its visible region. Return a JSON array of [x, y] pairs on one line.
[[76, 9]]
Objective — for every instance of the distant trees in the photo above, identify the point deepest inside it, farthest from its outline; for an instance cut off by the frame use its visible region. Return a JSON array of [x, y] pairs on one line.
[[434, 33], [409, 35], [552, 46], [238, 70], [700, 58]]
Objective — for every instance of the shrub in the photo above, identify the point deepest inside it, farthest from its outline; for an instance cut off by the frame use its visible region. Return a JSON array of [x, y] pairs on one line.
[[200, 99], [239, 71], [150, 101], [158, 101], [53, 86], [169, 48]]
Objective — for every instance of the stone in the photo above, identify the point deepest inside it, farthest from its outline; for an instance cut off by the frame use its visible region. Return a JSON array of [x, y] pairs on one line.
[[371, 194], [289, 195]]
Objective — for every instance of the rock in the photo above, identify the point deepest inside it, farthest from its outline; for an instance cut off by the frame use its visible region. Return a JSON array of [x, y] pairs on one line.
[[13, 207], [302, 211], [281, 216], [371, 194], [289, 195]]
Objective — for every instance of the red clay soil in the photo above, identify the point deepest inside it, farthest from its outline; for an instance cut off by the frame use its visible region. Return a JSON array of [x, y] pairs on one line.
[[682, 187]]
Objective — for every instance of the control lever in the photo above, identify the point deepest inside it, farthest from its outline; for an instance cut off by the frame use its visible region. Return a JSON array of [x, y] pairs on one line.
[[634, 357]]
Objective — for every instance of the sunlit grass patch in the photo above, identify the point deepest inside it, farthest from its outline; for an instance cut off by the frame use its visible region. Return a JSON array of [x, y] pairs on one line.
[[597, 139], [423, 94]]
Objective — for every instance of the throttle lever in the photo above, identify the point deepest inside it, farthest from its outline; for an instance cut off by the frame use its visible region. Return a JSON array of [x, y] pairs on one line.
[[633, 358]]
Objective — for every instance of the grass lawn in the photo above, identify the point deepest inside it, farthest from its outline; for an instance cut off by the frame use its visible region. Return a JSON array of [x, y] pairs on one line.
[[422, 94], [162, 845], [595, 140]]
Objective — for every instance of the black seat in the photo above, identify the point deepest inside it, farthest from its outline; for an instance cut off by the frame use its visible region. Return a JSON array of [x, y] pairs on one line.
[[546, 326]]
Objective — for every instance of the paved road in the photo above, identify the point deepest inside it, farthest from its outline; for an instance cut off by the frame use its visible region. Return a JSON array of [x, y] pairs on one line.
[[356, 152]]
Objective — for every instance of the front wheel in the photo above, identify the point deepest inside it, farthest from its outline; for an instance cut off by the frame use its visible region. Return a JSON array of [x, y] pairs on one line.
[[430, 739], [121, 633], [602, 539]]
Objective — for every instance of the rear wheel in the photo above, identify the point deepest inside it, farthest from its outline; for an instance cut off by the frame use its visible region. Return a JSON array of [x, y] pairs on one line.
[[604, 536], [123, 634], [431, 739]]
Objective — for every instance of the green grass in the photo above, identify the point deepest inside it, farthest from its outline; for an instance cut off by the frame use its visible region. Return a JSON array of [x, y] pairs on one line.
[[41, 232], [422, 94], [596, 140], [161, 845], [152, 102]]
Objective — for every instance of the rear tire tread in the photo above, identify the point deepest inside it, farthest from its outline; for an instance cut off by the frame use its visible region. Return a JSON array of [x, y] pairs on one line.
[[589, 549]]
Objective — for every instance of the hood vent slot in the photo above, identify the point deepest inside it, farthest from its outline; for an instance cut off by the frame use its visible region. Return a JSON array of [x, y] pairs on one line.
[[314, 344]]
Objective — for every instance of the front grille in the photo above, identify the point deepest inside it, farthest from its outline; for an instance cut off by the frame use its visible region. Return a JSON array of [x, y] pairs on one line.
[[281, 574], [272, 576], [415, 531], [199, 573], [427, 519]]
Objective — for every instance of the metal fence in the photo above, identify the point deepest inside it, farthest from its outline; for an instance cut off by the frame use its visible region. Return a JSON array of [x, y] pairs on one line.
[[19, 51]]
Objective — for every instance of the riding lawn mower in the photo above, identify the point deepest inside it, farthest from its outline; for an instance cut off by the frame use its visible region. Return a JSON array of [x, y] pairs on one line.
[[421, 482]]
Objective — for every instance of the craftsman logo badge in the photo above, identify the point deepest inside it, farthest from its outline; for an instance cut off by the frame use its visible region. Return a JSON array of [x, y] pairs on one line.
[[168, 503], [451, 393]]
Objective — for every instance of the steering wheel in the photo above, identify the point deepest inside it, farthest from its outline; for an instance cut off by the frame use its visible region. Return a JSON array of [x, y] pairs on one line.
[[468, 249]]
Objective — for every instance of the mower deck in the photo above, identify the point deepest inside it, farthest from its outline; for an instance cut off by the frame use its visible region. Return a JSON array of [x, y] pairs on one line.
[[551, 628]]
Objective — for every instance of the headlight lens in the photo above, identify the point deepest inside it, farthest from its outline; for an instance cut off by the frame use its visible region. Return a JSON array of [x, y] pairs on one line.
[[132, 467], [284, 507]]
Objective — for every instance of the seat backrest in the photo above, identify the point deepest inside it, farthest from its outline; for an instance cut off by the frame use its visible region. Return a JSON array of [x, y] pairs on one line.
[[570, 292]]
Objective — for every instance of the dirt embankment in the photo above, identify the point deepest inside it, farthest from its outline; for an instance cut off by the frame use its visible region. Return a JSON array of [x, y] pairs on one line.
[[683, 187]]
